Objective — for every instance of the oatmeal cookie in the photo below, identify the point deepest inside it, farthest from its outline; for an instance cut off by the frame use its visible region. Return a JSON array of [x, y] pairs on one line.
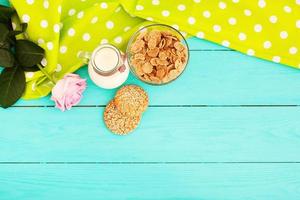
[[131, 100], [117, 122]]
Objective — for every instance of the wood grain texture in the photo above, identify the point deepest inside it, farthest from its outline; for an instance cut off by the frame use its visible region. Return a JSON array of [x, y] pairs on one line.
[[4, 2], [212, 78], [172, 134], [195, 142], [196, 44], [172, 182]]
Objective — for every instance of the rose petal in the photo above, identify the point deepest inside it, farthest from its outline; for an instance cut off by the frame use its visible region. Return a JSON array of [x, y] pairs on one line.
[[68, 91]]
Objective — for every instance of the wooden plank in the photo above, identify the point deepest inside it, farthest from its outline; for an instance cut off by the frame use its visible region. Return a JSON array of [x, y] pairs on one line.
[[4, 2], [204, 45], [213, 78], [207, 181], [175, 134]]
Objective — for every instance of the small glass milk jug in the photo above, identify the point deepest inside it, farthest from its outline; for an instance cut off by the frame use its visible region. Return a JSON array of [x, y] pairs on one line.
[[107, 66]]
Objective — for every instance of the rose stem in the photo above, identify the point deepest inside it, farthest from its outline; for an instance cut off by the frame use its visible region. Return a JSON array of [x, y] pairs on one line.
[[46, 73]]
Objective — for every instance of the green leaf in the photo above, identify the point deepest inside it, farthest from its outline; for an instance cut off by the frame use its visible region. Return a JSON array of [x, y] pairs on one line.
[[14, 33], [6, 58], [17, 32], [5, 45], [12, 86], [28, 53], [31, 69], [24, 27], [6, 13], [4, 31]]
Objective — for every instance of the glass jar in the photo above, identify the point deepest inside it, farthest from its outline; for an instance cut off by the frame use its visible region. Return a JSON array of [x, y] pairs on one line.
[[107, 66]]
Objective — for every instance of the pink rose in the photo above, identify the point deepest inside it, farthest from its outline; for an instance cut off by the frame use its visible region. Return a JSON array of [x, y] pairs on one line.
[[68, 91]]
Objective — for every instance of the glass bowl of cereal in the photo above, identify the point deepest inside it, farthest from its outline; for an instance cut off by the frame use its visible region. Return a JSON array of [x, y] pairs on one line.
[[157, 54]]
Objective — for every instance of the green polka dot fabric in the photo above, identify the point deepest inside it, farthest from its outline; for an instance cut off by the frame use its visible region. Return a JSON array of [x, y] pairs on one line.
[[267, 29]]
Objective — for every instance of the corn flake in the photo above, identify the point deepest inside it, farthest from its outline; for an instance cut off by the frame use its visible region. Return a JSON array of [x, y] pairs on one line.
[[158, 56]]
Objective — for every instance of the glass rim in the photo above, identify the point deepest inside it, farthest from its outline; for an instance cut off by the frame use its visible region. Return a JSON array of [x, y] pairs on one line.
[[115, 68], [133, 37]]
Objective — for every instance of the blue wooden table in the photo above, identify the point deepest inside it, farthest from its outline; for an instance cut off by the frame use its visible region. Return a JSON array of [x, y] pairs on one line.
[[229, 128]]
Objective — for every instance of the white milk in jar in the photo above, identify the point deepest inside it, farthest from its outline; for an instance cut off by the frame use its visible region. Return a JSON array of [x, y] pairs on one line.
[[107, 67]]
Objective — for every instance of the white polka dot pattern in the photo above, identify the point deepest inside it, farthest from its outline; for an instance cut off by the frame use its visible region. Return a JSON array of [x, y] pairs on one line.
[[264, 28]]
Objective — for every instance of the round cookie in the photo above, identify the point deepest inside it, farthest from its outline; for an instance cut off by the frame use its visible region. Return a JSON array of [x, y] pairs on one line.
[[131, 100], [117, 122]]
